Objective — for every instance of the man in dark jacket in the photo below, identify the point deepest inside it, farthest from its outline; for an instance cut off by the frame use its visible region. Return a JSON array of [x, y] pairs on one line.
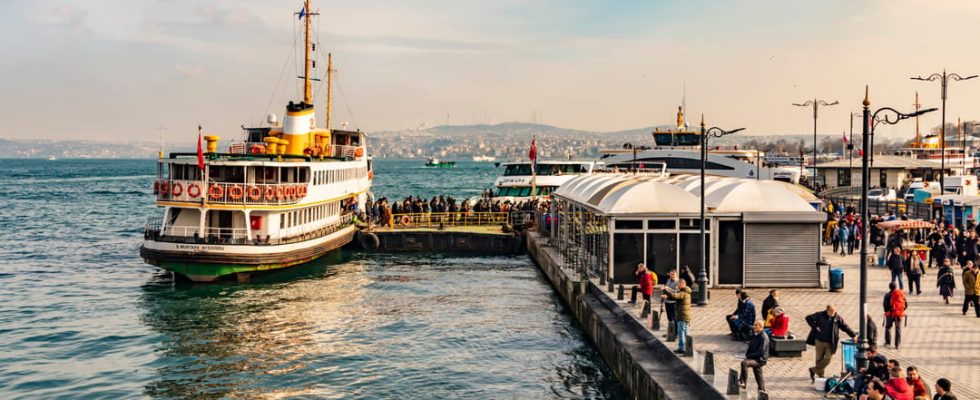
[[741, 325], [896, 264], [770, 303], [755, 357], [825, 327]]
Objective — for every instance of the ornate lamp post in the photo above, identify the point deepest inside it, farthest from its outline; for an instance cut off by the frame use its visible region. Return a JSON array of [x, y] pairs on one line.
[[716, 132], [943, 82], [815, 104], [870, 120]]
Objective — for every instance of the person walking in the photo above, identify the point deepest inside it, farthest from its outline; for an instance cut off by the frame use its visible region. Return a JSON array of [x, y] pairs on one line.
[[843, 234], [825, 327], [683, 312], [755, 357], [969, 288], [896, 264], [914, 269], [945, 280], [895, 306]]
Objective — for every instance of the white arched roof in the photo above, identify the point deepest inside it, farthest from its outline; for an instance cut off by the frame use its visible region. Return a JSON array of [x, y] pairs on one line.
[[648, 196], [756, 196]]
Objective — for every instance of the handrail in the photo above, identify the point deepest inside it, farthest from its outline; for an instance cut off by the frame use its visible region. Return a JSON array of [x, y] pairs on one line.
[[448, 219], [154, 230]]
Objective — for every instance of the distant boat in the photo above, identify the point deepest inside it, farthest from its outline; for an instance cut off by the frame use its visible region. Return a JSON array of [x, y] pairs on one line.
[[435, 163], [484, 158], [52, 158]]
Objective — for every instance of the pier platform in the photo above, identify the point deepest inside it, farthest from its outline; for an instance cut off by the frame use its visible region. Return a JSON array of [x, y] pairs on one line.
[[458, 239]]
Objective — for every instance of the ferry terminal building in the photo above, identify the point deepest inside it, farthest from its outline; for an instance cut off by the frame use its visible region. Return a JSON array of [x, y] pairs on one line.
[[758, 233]]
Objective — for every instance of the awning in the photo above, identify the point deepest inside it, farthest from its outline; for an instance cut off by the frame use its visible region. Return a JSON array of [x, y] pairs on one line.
[[909, 224]]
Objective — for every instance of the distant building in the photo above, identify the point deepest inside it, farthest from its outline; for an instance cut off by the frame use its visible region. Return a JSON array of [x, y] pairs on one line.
[[886, 171]]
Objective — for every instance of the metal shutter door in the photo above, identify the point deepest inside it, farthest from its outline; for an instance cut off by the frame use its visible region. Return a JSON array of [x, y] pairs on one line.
[[781, 255]]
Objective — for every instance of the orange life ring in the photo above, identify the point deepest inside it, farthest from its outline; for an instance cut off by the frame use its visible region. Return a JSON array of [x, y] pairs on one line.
[[177, 189], [302, 191], [164, 187], [359, 152], [289, 192], [193, 190], [254, 193], [270, 193], [406, 220], [216, 191], [236, 192], [370, 174], [279, 193]]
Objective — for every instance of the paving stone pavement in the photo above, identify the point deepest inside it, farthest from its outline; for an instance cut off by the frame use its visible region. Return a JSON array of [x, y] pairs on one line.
[[938, 339]]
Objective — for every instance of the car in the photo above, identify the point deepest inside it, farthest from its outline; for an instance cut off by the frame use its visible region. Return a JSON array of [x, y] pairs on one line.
[[882, 194]]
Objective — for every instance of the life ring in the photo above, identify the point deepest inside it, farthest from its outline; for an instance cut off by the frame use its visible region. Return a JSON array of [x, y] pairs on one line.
[[302, 191], [254, 193], [270, 193], [216, 191], [177, 189], [370, 174], [257, 149], [156, 187], [290, 192], [279, 193], [193, 190], [359, 152], [236, 192], [164, 187], [406, 220], [369, 241]]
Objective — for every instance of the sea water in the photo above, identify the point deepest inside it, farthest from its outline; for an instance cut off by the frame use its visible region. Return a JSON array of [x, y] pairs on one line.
[[81, 315]]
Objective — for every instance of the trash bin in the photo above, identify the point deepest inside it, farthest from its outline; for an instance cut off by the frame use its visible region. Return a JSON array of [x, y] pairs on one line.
[[836, 280]]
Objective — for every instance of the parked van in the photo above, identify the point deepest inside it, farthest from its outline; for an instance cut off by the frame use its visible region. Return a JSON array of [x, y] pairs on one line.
[[931, 187], [964, 185]]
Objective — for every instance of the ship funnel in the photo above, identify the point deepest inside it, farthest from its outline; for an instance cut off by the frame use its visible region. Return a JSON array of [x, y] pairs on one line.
[[296, 127]]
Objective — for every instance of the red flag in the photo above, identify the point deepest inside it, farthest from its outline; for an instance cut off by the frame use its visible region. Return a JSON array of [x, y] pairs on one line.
[[533, 154], [860, 153], [200, 150], [845, 138]]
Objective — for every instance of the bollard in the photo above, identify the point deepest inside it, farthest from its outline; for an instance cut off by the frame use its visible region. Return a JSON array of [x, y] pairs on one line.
[[732, 381], [655, 321], [602, 279], [646, 309], [688, 346], [709, 363], [620, 294], [763, 396], [611, 287], [671, 332]]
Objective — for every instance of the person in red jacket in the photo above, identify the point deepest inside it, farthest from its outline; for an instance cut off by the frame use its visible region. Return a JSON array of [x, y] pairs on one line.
[[897, 387], [780, 323], [918, 387], [894, 304], [645, 281]]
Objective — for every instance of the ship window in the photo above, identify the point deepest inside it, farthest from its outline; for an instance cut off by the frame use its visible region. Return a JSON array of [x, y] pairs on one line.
[[687, 139], [517, 169]]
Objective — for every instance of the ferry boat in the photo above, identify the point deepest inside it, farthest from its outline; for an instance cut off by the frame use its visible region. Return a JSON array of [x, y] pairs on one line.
[[517, 182], [285, 195], [484, 158], [436, 163], [679, 150]]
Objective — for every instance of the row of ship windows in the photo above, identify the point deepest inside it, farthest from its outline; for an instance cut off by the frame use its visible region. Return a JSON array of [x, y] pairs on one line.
[[309, 214], [339, 175]]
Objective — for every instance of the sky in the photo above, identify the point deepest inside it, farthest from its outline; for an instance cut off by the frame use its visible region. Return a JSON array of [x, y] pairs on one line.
[[125, 69]]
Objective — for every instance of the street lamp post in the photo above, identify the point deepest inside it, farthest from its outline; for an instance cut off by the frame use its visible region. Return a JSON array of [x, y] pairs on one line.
[[815, 104], [943, 83], [702, 279], [850, 146], [889, 116]]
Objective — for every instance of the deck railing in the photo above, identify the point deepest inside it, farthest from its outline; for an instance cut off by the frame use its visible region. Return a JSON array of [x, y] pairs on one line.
[[230, 193], [155, 230]]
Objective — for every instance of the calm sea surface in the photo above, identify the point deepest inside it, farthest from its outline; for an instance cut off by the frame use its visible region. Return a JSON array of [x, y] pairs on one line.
[[81, 316]]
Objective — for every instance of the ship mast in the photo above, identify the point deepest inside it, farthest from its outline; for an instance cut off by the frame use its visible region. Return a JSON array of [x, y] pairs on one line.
[[307, 86], [329, 88], [918, 141]]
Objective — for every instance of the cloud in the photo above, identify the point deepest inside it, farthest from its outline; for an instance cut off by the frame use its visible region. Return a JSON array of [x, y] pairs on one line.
[[60, 14], [189, 71]]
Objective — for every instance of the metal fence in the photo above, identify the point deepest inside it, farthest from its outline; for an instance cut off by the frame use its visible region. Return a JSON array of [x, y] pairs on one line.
[[913, 210], [449, 219]]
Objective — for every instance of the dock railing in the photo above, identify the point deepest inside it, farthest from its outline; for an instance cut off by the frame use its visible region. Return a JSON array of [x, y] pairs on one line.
[[851, 197], [449, 219]]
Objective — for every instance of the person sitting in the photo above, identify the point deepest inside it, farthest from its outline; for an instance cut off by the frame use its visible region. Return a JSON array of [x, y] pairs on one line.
[[919, 391], [741, 324], [875, 391], [943, 387], [645, 281], [779, 327], [896, 386], [877, 370]]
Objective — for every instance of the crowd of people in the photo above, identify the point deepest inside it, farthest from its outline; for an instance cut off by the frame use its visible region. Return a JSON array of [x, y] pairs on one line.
[[382, 210]]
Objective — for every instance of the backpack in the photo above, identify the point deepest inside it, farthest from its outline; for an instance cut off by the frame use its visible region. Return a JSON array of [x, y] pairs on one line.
[[898, 306]]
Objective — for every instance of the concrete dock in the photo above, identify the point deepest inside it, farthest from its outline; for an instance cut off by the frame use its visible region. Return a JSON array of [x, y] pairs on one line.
[[463, 239]]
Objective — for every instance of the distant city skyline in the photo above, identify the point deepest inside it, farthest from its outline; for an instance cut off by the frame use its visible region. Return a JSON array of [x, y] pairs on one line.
[[113, 69]]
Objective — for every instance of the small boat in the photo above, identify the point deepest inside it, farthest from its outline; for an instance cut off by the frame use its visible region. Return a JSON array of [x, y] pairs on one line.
[[52, 158], [484, 158], [436, 163]]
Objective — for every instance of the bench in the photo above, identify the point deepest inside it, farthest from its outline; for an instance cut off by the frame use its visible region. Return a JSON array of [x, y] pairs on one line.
[[787, 347]]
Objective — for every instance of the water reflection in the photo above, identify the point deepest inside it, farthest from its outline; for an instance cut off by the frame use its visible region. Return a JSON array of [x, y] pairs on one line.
[[358, 327]]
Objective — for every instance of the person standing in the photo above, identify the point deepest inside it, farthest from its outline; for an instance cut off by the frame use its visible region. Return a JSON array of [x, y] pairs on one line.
[[683, 312], [969, 288], [944, 390], [755, 357], [825, 327], [914, 269], [896, 264], [669, 304], [945, 280], [645, 281], [843, 234]]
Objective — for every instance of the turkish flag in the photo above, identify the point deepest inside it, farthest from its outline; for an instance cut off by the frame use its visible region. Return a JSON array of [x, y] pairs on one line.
[[200, 149]]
